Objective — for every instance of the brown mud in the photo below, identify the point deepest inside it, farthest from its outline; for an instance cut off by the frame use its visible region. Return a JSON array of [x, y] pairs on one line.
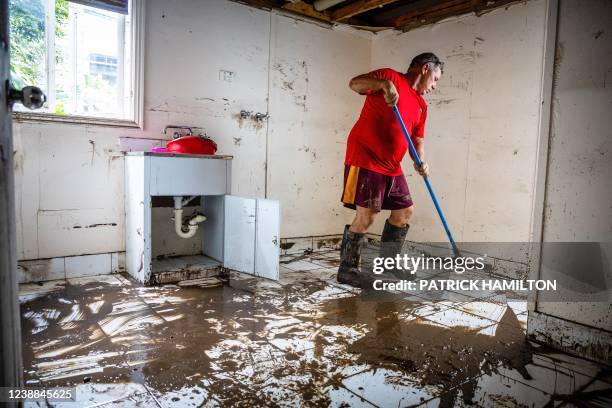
[[252, 342], [169, 337], [452, 358]]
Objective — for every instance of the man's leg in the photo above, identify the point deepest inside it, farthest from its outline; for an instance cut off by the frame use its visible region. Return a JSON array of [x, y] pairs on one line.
[[364, 218], [400, 218], [393, 237], [364, 192], [348, 272]]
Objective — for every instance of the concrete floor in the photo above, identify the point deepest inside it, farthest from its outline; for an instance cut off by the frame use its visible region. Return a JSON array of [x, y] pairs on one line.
[[304, 341]]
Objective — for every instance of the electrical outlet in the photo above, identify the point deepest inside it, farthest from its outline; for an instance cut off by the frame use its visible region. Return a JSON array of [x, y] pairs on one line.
[[227, 76]]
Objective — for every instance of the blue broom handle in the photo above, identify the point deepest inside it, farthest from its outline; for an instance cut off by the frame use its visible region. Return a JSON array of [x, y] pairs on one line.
[[418, 162]]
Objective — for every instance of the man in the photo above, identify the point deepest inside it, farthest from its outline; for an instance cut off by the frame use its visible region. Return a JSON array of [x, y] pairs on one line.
[[373, 176]]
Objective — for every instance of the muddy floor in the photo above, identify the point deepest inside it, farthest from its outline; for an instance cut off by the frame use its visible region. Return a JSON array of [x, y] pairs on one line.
[[303, 341]]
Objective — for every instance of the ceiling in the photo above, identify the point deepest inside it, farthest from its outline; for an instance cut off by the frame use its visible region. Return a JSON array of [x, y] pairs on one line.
[[376, 15]]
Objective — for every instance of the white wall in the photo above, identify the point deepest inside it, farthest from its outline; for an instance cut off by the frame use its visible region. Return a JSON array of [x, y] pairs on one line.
[[578, 187], [70, 176], [481, 135], [313, 111], [482, 128]]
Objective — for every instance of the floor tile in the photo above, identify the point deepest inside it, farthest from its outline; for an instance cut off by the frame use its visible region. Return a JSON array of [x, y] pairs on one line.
[[427, 309], [456, 318], [31, 291], [88, 280], [448, 296], [134, 401], [343, 286], [496, 390], [93, 394], [487, 310], [387, 388], [557, 380], [327, 262], [255, 342], [569, 364], [324, 274], [185, 397], [302, 266], [341, 397]]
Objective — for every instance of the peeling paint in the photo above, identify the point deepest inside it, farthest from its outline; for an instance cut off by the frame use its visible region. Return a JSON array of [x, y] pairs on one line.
[[249, 123]]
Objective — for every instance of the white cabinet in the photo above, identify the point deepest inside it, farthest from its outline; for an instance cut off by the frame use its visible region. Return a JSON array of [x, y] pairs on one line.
[[189, 175], [267, 239], [251, 236], [240, 234]]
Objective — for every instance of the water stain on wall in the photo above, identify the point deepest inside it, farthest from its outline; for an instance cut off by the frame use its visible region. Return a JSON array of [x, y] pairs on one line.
[[293, 79]]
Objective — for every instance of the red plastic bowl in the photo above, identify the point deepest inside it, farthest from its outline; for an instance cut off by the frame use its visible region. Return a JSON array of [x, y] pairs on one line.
[[192, 145]]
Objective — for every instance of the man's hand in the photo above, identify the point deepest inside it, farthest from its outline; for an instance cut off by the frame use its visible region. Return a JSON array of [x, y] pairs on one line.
[[390, 93], [423, 170]]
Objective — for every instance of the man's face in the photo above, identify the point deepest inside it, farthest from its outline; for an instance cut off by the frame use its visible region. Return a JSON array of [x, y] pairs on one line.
[[429, 79]]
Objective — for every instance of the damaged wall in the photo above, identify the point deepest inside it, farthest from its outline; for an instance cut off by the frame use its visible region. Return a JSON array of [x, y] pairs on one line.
[[313, 110], [69, 178], [482, 128], [482, 131], [578, 189]]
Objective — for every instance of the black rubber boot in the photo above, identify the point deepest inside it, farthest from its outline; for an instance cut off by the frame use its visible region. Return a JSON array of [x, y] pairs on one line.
[[348, 272], [391, 243]]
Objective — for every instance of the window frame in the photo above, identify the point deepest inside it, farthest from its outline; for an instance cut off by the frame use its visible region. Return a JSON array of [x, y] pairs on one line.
[[138, 15]]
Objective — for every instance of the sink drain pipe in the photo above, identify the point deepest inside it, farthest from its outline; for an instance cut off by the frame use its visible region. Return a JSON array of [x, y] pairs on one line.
[[188, 229]]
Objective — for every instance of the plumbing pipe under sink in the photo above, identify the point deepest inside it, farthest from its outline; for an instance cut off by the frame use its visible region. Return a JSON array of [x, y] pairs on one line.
[[189, 229]]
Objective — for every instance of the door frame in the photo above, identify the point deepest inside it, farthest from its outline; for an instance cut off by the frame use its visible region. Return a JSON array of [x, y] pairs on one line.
[[11, 374]]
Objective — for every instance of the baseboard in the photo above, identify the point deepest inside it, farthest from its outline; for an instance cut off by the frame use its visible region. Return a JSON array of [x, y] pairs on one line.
[[114, 262], [65, 267], [301, 245]]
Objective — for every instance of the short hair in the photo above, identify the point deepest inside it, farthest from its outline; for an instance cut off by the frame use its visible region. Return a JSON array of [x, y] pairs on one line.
[[426, 58]]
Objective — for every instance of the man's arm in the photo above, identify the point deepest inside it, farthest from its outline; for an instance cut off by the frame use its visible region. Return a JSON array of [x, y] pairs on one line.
[[364, 84], [419, 146]]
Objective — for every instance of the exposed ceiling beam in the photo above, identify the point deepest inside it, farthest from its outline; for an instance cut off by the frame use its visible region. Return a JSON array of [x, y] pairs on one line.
[[358, 7], [261, 4], [321, 5], [384, 16], [306, 9], [444, 8], [405, 15]]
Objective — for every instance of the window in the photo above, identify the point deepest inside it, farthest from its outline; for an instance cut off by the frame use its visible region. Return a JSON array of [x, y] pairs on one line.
[[86, 55]]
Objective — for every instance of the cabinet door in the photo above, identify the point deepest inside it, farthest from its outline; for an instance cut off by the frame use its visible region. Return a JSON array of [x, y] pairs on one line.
[[251, 238], [267, 233]]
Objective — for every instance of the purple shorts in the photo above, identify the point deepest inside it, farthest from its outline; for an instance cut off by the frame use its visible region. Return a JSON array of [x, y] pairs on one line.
[[366, 188]]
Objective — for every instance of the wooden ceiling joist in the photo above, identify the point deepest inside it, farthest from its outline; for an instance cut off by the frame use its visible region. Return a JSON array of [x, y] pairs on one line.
[[375, 15], [358, 7], [307, 10], [443, 9]]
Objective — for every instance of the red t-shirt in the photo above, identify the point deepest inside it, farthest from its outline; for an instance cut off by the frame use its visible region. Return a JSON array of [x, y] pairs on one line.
[[377, 142]]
